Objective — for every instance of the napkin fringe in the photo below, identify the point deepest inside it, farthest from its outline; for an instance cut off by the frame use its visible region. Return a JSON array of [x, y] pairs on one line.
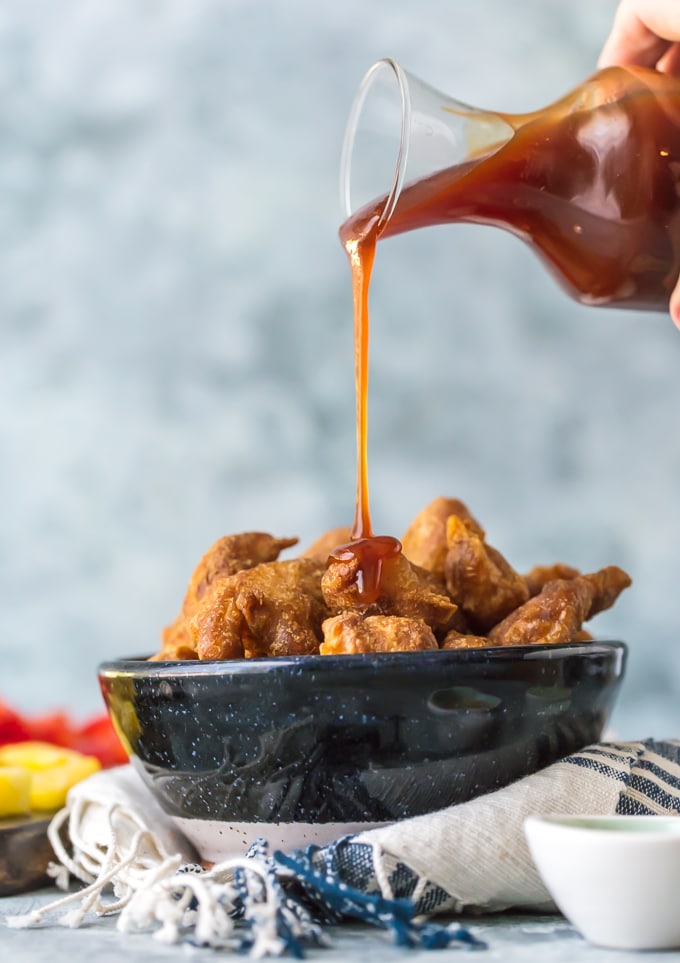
[[265, 905]]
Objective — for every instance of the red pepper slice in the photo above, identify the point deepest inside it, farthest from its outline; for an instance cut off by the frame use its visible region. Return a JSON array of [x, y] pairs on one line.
[[96, 737]]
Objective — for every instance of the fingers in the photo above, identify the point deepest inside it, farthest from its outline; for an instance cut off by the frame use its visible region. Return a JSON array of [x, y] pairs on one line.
[[670, 61], [675, 305], [642, 33], [646, 33]]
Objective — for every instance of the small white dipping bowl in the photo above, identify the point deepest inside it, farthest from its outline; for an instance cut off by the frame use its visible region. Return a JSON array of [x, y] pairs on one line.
[[615, 878]]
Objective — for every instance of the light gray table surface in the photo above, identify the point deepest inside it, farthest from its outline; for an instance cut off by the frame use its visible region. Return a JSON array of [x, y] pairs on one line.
[[550, 939]]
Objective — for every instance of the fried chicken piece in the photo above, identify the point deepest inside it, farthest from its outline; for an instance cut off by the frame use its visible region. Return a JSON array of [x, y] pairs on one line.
[[405, 590], [540, 575], [229, 555], [177, 644], [607, 584], [479, 578], [273, 609], [462, 640], [424, 541], [556, 614], [350, 633], [324, 545]]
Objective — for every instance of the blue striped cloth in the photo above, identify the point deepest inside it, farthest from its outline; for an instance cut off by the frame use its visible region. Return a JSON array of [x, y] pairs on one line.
[[648, 774], [355, 878]]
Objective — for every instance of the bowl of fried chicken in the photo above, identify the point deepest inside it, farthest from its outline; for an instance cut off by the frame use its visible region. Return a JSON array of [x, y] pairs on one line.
[[282, 704]]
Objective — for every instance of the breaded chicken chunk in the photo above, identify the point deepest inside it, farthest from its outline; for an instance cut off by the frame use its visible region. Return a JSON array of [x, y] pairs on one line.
[[229, 555], [556, 614], [273, 609], [462, 640], [424, 541], [351, 633], [404, 589], [479, 579], [607, 584], [540, 575]]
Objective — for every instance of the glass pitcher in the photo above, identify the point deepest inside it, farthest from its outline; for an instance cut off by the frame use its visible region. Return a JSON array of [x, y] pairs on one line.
[[591, 182]]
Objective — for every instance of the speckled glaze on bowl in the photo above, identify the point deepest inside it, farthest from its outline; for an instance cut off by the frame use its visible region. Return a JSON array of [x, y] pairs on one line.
[[304, 749]]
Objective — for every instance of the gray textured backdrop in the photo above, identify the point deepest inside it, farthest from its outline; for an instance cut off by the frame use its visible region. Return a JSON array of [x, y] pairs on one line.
[[175, 327]]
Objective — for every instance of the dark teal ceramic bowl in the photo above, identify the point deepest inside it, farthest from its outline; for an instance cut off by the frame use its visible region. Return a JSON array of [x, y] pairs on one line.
[[308, 747]]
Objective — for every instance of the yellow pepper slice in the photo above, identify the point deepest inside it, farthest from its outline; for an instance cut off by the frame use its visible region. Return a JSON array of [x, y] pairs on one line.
[[52, 770], [15, 787]]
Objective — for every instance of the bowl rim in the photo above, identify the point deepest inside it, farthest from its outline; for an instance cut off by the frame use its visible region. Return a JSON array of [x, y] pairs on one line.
[[621, 828], [144, 666]]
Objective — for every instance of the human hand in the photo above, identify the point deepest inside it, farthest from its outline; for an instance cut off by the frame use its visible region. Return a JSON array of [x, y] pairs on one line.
[[646, 33]]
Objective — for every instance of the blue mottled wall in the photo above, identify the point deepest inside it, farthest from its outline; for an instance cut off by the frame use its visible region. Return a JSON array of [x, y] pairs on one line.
[[175, 327]]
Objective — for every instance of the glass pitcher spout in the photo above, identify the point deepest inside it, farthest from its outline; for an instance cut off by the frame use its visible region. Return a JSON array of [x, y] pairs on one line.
[[402, 130]]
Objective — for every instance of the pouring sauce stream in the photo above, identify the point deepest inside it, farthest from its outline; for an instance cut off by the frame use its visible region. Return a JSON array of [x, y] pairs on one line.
[[359, 237]]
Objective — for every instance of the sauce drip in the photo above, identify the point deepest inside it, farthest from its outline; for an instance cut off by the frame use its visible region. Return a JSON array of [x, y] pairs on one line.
[[372, 553]]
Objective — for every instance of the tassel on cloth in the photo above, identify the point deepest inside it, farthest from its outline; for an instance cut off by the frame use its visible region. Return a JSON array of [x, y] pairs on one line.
[[260, 904]]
